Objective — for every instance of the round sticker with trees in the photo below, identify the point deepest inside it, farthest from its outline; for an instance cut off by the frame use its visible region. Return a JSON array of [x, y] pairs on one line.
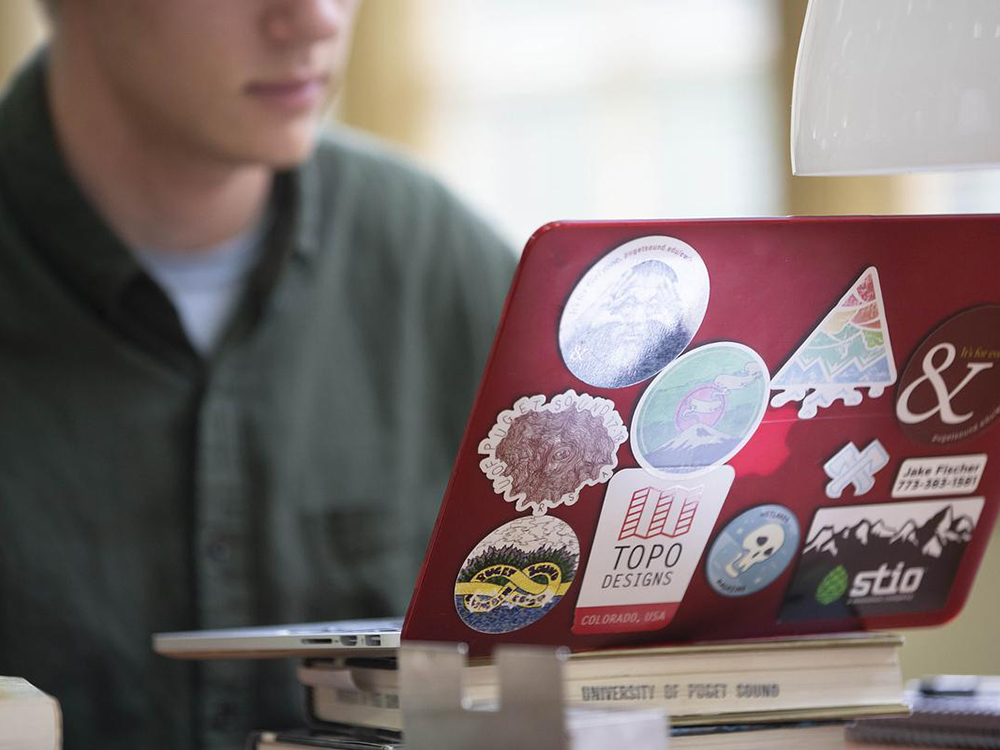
[[517, 574]]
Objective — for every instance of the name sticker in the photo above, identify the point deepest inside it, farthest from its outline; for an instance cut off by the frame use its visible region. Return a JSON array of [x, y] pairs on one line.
[[650, 537], [940, 475]]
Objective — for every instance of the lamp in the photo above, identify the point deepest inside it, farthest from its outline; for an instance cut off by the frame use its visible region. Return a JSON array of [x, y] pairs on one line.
[[889, 86]]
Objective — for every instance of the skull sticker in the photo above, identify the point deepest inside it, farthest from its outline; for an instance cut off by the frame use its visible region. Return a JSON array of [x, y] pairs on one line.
[[752, 550], [758, 545]]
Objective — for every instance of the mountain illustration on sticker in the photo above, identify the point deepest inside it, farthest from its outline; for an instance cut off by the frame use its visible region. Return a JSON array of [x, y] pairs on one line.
[[930, 538], [870, 567], [684, 451], [849, 350]]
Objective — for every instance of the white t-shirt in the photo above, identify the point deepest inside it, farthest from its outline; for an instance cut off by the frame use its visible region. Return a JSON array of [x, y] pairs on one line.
[[206, 285]]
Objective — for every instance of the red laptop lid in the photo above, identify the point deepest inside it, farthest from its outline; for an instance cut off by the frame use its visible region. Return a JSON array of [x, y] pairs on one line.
[[717, 429]]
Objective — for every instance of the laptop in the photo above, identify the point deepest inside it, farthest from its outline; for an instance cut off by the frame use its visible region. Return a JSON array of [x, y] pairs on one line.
[[712, 430]]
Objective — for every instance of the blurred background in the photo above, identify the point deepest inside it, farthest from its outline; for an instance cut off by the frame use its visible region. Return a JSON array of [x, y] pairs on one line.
[[638, 109]]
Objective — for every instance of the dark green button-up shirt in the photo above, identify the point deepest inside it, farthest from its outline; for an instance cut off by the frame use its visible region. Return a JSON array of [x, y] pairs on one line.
[[293, 475]]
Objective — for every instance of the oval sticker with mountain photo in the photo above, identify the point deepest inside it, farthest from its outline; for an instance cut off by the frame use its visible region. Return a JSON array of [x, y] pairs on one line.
[[701, 410], [634, 312], [886, 559], [517, 574]]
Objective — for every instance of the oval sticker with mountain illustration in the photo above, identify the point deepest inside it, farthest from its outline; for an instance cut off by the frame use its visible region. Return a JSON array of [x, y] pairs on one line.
[[886, 559], [701, 410]]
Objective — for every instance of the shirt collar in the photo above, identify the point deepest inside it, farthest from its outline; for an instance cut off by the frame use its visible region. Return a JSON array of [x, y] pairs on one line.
[[53, 213], [304, 204]]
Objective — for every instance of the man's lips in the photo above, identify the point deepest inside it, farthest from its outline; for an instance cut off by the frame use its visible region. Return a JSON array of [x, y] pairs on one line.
[[289, 94]]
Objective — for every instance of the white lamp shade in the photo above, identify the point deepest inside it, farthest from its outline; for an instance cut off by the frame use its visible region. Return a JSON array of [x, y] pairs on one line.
[[888, 86]]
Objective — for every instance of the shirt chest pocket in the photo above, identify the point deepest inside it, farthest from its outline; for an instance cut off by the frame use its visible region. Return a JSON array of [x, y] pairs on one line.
[[364, 555]]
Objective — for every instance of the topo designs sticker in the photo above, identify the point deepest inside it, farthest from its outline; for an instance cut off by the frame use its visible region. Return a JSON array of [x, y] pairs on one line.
[[700, 410], [648, 543], [886, 559], [753, 550], [847, 352], [950, 389], [633, 312], [517, 574], [540, 455]]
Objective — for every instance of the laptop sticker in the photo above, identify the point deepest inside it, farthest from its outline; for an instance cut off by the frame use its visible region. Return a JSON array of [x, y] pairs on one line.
[[848, 351], [940, 475], [650, 537], [851, 466], [950, 389], [517, 574], [700, 410], [752, 550], [886, 559], [633, 312], [540, 455]]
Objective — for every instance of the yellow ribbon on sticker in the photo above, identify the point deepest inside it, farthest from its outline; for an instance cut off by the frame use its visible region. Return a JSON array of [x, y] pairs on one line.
[[518, 587]]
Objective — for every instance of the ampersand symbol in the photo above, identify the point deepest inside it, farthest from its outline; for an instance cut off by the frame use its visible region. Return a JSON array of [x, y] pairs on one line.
[[932, 375]]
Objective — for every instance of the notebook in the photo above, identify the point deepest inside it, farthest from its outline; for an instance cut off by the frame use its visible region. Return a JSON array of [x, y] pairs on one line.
[[946, 711], [710, 430]]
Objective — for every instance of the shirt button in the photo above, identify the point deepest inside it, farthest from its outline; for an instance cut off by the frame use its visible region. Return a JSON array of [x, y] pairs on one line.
[[220, 550], [224, 717]]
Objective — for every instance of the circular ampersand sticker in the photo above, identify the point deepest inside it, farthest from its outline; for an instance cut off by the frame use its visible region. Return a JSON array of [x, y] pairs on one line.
[[950, 389]]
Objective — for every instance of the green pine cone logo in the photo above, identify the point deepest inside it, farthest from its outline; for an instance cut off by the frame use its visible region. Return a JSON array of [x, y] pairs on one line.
[[833, 586]]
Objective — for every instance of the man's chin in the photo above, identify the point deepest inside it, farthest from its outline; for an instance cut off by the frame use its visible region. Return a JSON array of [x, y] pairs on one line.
[[279, 150], [289, 153]]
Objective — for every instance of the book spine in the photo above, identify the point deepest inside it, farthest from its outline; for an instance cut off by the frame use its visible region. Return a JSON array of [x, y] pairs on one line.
[[704, 694], [582, 670], [699, 696], [332, 706]]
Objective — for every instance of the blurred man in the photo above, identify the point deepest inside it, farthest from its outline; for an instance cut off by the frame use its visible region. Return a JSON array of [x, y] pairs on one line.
[[235, 364]]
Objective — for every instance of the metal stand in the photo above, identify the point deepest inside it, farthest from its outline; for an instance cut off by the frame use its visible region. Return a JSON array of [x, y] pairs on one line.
[[531, 713]]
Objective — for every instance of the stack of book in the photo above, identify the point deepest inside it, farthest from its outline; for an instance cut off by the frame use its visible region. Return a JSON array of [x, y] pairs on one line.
[[766, 693]]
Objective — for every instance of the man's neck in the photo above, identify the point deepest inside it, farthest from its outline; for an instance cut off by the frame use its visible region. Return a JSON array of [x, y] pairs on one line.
[[152, 193]]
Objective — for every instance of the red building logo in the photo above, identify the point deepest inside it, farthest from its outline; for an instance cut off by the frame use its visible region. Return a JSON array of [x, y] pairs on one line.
[[654, 512]]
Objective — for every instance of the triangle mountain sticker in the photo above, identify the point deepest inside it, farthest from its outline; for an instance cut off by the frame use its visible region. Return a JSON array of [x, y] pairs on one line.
[[848, 351]]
